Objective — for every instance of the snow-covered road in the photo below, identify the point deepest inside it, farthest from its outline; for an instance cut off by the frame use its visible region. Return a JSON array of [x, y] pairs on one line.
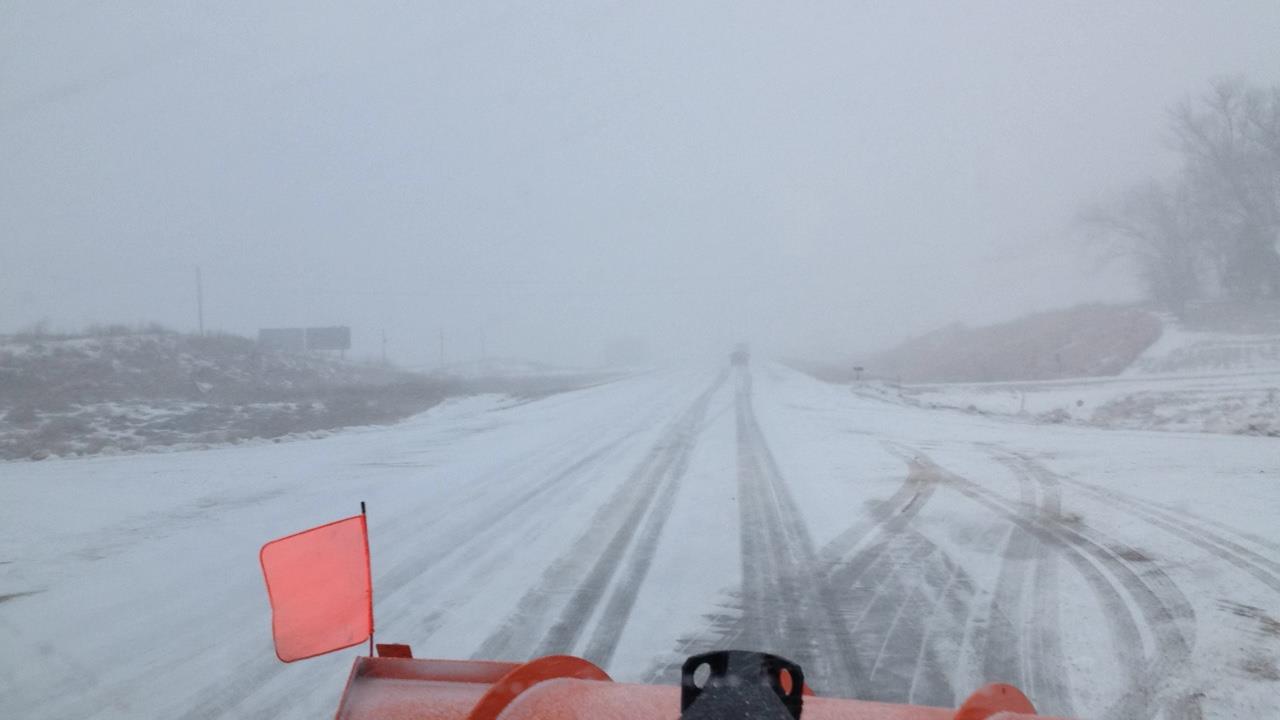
[[896, 553]]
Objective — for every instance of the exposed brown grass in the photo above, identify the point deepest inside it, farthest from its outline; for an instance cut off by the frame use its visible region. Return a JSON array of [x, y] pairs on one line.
[[1084, 341], [121, 392]]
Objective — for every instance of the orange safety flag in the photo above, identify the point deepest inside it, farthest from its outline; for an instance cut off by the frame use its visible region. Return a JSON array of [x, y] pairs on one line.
[[320, 589]]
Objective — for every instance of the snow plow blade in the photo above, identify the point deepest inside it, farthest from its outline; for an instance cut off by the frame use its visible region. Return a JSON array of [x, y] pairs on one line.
[[560, 687]]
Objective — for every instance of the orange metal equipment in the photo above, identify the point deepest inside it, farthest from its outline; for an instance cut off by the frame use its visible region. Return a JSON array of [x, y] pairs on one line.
[[319, 585], [561, 687]]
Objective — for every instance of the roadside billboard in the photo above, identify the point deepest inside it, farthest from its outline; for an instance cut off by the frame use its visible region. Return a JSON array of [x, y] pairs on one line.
[[329, 338]]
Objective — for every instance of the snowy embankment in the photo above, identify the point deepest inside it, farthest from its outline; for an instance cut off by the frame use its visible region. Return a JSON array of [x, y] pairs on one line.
[[1186, 381], [896, 553], [168, 392]]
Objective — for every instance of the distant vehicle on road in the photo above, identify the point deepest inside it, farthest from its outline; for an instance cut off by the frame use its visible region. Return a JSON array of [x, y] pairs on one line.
[[741, 355]]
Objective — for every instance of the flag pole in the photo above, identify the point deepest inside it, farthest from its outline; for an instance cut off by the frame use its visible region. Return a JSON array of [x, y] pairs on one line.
[[365, 515]]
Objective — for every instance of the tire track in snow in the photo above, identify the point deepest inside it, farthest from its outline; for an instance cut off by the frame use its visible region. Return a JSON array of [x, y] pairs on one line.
[[482, 489], [1030, 598], [1006, 644], [617, 611], [920, 605], [915, 603], [1174, 513], [1047, 677], [943, 638], [261, 667], [489, 525], [571, 465], [1173, 628], [888, 572], [1111, 567], [661, 497], [914, 600], [891, 517], [1003, 658], [788, 607], [585, 570], [1187, 526], [1126, 636], [225, 697], [909, 496], [747, 619], [1194, 530]]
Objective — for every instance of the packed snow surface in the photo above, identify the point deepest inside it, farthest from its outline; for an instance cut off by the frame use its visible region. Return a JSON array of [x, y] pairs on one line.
[[897, 553]]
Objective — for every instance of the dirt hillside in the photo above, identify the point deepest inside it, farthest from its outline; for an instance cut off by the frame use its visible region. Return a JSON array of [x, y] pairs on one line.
[[1084, 341]]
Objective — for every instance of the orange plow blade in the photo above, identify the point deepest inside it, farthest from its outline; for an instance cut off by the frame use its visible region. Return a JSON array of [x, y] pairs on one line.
[[563, 687]]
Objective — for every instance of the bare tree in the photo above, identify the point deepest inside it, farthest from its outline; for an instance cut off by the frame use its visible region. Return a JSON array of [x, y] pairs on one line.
[[1154, 227], [1214, 229], [1231, 154]]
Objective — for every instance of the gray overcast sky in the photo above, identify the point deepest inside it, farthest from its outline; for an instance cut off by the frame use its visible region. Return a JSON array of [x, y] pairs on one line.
[[817, 177]]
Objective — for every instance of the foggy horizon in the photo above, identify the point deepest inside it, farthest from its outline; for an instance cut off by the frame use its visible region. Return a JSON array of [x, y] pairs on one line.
[[542, 182]]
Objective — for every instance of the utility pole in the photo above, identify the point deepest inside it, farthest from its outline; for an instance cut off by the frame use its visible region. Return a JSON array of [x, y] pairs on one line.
[[200, 300]]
